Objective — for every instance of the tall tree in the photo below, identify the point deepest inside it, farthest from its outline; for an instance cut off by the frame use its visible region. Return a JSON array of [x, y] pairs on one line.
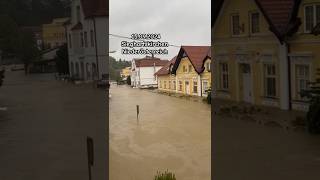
[[26, 48], [62, 60]]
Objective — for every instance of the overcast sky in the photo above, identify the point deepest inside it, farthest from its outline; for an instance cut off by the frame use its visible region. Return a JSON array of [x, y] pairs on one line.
[[180, 22]]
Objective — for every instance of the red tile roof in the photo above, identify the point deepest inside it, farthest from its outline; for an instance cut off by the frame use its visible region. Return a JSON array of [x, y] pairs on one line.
[[165, 70], [95, 8], [150, 62], [280, 14], [197, 56]]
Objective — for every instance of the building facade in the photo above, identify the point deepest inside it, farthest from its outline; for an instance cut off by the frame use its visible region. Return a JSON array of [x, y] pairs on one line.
[[87, 37], [265, 53], [54, 34], [188, 73], [143, 71]]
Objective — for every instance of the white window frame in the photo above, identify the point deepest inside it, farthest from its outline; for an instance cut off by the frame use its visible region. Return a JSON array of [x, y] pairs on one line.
[[222, 74], [297, 79], [251, 22], [203, 88], [314, 6], [266, 76], [180, 86], [232, 28], [193, 87]]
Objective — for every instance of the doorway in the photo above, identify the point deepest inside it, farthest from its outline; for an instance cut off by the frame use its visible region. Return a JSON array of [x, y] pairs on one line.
[[187, 87]]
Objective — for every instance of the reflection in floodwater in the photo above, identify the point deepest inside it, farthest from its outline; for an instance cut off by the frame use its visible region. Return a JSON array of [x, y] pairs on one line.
[[171, 133]]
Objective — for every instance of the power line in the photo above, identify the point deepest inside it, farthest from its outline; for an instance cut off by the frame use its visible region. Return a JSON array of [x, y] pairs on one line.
[[125, 37]]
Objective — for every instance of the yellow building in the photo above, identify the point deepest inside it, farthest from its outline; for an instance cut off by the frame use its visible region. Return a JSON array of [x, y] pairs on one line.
[[188, 73], [126, 72], [264, 51], [53, 34]]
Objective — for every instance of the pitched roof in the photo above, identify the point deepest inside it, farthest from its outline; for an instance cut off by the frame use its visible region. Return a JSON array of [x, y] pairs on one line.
[[165, 70], [281, 15], [150, 62], [216, 7], [197, 56], [95, 8]]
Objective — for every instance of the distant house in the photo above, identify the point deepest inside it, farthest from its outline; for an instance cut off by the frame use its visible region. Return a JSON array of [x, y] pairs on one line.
[[125, 73], [87, 34], [143, 71], [54, 34], [188, 73]]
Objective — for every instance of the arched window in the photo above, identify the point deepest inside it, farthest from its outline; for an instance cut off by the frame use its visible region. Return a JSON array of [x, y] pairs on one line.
[[94, 71], [72, 69], [77, 70], [88, 71], [82, 70]]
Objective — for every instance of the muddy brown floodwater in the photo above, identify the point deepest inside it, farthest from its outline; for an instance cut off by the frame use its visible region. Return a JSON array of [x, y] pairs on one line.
[[171, 134]]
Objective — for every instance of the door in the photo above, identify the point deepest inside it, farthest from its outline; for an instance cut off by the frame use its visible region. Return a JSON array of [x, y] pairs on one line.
[[247, 83], [187, 86]]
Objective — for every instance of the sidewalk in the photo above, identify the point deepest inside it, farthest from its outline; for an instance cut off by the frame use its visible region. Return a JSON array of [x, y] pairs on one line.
[[268, 116]]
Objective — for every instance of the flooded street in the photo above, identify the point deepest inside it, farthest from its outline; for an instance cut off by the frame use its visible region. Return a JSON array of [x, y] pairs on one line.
[[246, 150], [171, 134], [44, 129]]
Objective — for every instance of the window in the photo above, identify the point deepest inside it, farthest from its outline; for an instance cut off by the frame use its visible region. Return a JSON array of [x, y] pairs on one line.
[[165, 84], [86, 39], [205, 87], [78, 13], [184, 69], [208, 66], [255, 24], [169, 85], [174, 85], [235, 21], [180, 86], [190, 68], [160, 84], [270, 80], [92, 38], [224, 78], [302, 79], [195, 87], [312, 16], [81, 37]]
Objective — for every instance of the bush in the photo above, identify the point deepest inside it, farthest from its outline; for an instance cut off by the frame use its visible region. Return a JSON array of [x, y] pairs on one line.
[[313, 115], [165, 176]]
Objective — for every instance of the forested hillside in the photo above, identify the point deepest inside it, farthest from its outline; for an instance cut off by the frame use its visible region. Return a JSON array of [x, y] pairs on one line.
[[34, 12]]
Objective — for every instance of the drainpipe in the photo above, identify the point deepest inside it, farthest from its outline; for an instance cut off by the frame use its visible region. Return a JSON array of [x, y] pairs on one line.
[[96, 47], [289, 78]]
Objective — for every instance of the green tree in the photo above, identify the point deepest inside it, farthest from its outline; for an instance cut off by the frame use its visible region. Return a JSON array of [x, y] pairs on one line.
[[26, 48], [8, 35], [62, 60]]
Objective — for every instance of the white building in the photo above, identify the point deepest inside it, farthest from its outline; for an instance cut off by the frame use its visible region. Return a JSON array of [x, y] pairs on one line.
[[143, 70], [87, 34]]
